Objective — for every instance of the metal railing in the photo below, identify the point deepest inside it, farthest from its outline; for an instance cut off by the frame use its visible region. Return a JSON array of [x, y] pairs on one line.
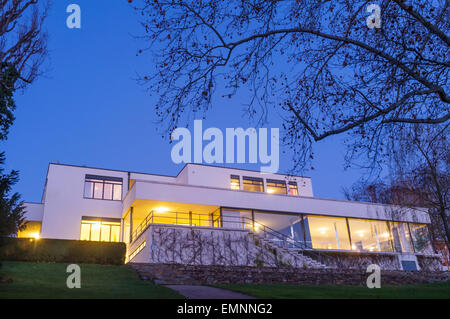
[[216, 220], [177, 218]]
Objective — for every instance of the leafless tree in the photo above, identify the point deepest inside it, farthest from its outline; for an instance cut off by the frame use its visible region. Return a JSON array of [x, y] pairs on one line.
[[314, 62], [419, 177], [22, 40], [22, 51]]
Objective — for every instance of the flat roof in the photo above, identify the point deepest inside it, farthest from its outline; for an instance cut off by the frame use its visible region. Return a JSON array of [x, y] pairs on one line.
[[185, 165]]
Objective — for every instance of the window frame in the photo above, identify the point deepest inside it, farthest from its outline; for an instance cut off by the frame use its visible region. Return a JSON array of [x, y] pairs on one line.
[[233, 178], [94, 180], [276, 182], [110, 222], [296, 188], [254, 181]]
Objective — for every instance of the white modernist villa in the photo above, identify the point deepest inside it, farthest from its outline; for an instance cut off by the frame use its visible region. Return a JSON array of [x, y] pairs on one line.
[[84, 203]]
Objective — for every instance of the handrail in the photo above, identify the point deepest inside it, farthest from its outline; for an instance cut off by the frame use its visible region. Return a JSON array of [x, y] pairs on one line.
[[286, 240], [183, 218]]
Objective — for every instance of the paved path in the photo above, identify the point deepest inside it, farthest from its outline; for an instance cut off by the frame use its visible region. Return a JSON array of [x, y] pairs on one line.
[[206, 292]]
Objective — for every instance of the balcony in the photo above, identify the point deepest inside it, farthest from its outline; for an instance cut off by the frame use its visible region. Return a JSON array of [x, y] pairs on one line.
[[151, 194]]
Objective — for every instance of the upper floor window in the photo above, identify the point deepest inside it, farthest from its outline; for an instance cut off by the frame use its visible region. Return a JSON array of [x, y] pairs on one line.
[[235, 183], [293, 189], [253, 184], [275, 186], [103, 187]]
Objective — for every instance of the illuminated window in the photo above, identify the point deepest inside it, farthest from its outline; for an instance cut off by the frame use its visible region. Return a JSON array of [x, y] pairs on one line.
[[31, 230], [126, 228], [253, 184], [276, 186], [293, 189], [327, 232], [420, 238], [287, 224], [103, 187], [370, 235], [235, 183], [100, 229], [401, 237]]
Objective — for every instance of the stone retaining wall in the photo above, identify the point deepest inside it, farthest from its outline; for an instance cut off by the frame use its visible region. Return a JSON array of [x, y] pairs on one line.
[[167, 244], [197, 274]]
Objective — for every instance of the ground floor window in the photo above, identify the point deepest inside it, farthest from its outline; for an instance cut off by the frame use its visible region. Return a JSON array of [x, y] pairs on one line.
[[401, 237], [100, 229], [299, 230], [32, 230], [370, 235], [420, 238], [327, 232]]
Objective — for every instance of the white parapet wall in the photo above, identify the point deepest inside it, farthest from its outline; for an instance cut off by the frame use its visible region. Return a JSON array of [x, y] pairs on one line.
[[166, 244]]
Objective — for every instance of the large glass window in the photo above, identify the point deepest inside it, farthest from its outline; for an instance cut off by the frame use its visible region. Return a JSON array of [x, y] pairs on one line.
[[103, 187], [293, 189], [100, 229], [327, 232], [232, 218], [253, 184], [272, 224], [235, 183], [276, 186], [370, 235], [420, 238], [401, 237]]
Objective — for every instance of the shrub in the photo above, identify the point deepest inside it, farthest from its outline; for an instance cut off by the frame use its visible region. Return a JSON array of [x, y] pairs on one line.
[[61, 250]]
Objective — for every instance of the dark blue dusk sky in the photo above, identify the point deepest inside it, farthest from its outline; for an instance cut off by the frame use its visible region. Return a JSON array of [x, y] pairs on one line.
[[88, 109]]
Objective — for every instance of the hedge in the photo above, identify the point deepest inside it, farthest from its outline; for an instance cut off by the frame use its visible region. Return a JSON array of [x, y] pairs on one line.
[[61, 250]]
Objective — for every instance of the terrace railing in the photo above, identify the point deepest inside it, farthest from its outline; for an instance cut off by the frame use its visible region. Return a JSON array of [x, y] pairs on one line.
[[215, 220]]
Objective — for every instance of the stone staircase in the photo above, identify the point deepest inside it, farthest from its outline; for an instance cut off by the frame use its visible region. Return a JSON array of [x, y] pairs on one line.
[[301, 260]]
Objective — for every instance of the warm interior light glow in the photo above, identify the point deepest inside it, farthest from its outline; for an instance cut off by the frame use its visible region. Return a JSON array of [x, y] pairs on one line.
[[32, 230], [322, 230], [96, 225], [35, 235], [270, 191], [161, 209]]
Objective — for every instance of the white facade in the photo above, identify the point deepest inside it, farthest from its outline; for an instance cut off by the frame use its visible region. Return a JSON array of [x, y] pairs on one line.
[[200, 190]]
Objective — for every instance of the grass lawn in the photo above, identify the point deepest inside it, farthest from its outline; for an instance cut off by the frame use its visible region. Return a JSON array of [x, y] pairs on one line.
[[270, 291], [48, 280]]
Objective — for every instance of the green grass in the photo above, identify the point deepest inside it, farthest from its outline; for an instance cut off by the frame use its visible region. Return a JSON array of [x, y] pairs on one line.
[[271, 291], [48, 280]]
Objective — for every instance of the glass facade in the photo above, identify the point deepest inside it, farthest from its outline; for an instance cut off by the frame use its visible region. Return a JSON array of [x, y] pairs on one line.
[[291, 230], [276, 227], [420, 238], [327, 232], [401, 237], [370, 235]]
